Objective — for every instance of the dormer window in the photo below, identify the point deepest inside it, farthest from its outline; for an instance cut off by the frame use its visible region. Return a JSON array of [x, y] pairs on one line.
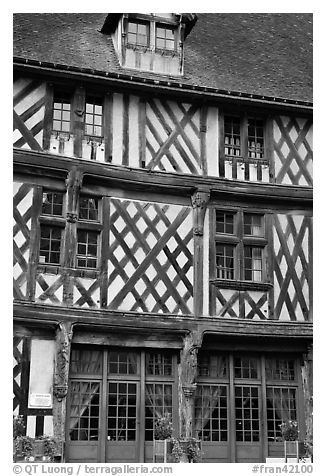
[[138, 33], [150, 41], [165, 38]]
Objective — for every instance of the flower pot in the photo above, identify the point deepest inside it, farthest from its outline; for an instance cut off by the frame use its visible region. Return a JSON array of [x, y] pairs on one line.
[[291, 450]]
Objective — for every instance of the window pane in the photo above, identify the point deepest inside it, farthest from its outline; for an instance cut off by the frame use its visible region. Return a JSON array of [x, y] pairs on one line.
[[158, 363], [50, 245], [86, 248], [121, 410], [253, 263], [232, 136], [280, 369], [253, 224], [255, 138], [86, 361], [247, 422], [84, 410], [224, 222], [158, 403], [281, 407], [211, 413], [224, 261], [212, 365], [245, 367]]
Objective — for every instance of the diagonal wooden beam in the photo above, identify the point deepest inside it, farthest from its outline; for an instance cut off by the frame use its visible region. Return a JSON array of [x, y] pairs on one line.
[[26, 133]]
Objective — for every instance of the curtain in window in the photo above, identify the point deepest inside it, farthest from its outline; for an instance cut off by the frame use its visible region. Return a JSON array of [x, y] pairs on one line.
[[81, 394], [158, 399], [256, 264], [208, 396], [279, 399], [86, 361]]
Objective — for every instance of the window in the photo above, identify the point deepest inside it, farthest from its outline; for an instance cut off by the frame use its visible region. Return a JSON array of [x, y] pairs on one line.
[[87, 249], [255, 138], [250, 372], [52, 203], [242, 151], [243, 137], [138, 33], [123, 363], [93, 117], [232, 136], [225, 261], [61, 112], [52, 223], [88, 208], [50, 244], [240, 245], [165, 37], [159, 363], [88, 232]]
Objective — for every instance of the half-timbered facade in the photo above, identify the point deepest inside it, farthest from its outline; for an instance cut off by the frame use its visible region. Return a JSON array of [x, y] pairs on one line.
[[162, 231]]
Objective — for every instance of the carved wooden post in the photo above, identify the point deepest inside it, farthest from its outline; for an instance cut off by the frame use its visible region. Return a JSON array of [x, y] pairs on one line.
[[73, 184], [307, 381], [79, 120], [61, 373], [199, 202], [187, 382]]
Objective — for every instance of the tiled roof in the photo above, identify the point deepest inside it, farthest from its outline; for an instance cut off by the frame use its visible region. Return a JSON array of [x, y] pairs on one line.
[[265, 54]]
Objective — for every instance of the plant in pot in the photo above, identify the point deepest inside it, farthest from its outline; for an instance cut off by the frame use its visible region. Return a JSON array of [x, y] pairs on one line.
[[193, 449], [290, 436], [162, 434], [48, 448], [23, 445]]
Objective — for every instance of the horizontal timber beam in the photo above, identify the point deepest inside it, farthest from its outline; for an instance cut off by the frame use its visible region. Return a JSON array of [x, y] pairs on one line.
[[120, 81], [147, 322], [50, 165]]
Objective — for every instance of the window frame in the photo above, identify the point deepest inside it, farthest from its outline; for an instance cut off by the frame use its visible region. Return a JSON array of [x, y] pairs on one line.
[[137, 22], [94, 100], [94, 226], [244, 158], [58, 96], [239, 241], [52, 221], [166, 27], [50, 227]]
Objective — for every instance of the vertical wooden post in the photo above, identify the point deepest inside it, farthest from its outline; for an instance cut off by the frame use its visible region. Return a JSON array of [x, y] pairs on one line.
[[73, 184], [269, 149], [104, 252], [61, 374], [231, 415], [34, 243], [125, 130], [188, 375], [203, 134], [78, 120], [142, 132], [48, 116], [221, 150], [307, 382], [108, 126], [199, 202]]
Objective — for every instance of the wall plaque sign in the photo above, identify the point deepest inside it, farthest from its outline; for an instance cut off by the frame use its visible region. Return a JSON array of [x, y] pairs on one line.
[[40, 400]]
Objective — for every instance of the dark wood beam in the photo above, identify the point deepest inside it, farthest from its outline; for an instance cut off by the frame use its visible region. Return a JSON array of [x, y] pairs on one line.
[[147, 322], [135, 179]]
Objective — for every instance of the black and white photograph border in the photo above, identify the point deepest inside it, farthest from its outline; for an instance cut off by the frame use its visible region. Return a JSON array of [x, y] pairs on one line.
[[162, 177]]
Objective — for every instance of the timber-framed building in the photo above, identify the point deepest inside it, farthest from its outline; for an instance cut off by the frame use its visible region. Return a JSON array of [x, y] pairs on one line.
[[163, 231]]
